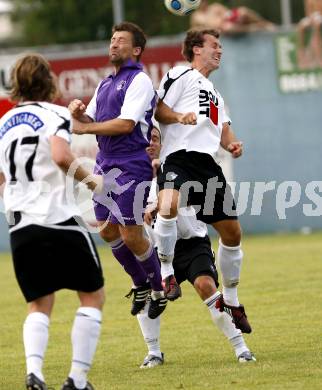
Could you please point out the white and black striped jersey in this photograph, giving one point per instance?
(35, 185)
(184, 89)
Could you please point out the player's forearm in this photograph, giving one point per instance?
(84, 118)
(73, 168)
(164, 114)
(112, 127)
(227, 137)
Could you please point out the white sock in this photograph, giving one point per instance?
(224, 323)
(35, 338)
(230, 295)
(230, 260)
(239, 345)
(166, 269)
(166, 237)
(85, 334)
(150, 329)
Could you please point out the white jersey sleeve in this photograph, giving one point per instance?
(60, 123)
(138, 97)
(91, 108)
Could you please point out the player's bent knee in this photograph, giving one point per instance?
(109, 235)
(92, 299)
(205, 286)
(232, 236)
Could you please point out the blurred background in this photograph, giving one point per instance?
(270, 78)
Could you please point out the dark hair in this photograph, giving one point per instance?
(196, 37)
(139, 38)
(32, 79)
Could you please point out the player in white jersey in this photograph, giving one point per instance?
(194, 123)
(50, 249)
(193, 261)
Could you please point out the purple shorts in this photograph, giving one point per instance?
(127, 183)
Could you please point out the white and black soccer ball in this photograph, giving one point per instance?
(181, 7)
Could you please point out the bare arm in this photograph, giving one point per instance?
(112, 127)
(64, 158)
(2, 183)
(83, 124)
(164, 114)
(229, 142)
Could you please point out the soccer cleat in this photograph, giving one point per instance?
(246, 357)
(171, 288)
(34, 383)
(151, 361)
(157, 305)
(69, 385)
(237, 313)
(140, 297)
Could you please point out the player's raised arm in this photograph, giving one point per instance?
(77, 109)
(112, 127)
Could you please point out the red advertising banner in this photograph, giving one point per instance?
(79, 74)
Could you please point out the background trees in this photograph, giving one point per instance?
(61, 21)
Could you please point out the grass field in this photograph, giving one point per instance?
(281, 288)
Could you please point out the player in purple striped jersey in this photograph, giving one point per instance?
(119, 114)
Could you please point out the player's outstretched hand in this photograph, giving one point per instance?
(189, 118)
(77, 108)
(150, 212)
(235, 148)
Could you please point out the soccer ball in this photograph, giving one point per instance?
(181, 7)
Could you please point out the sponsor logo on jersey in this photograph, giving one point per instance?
(25, 118)
(208, 104)
(121, 85)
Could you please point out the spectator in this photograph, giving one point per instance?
(228, 21)
(309, 51)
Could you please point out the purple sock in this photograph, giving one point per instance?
(151, 266)
(129, 262)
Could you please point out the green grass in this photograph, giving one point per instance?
(280, 287)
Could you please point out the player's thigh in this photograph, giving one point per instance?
(229, 231)
(168, 200)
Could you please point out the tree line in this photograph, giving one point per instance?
(43, 22)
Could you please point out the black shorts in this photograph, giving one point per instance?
(192, 258)
(47, 259)
(201, 183)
